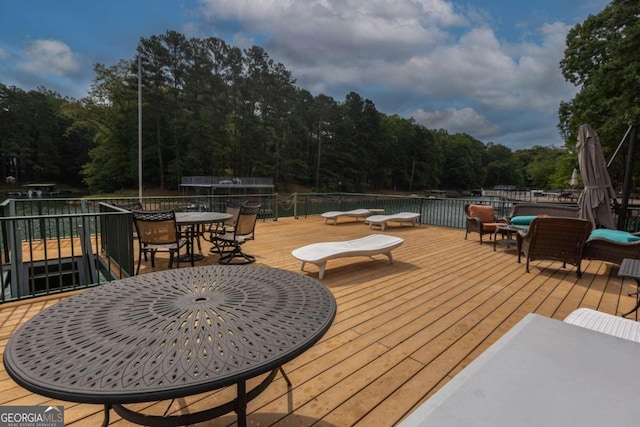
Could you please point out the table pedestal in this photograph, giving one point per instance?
(238, 405)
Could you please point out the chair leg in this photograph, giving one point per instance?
(579, 271)
(139, 261)
(236, 253)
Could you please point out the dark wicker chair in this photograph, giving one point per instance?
(480, 219)
(556, 239)
(610, 251)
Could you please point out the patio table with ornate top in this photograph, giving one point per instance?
(171, 334)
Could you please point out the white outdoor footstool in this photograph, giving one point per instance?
(605, 323)
(320, 253)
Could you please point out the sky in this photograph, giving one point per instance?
(488, 68)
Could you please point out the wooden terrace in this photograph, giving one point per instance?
(401, 332)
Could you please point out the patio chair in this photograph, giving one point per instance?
(556, 239)
(230, 243)
(227, 226)
(158, 232)
(480, 219)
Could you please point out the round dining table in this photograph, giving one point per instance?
(196, 220)
(171, 334)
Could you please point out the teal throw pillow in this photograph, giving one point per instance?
(522, 220)
(615, 235)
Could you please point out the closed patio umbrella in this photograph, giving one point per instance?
(597, 194)
(573, 182)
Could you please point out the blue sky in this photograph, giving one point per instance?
(485, 67)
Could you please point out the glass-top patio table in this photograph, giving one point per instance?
(171, 334)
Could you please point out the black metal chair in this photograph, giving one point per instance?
(158, 232)
(229, 244)
(226, 226)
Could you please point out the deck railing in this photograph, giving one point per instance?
(52, 253)
(87, 241)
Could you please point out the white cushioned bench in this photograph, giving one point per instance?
(605, 323)
(402, 218)
(320, 253)
(334, 215)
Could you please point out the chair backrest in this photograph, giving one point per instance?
(486, 213)
(233, 208)
(531, 209)
(156, 227)
(247, 219)
(558, 238)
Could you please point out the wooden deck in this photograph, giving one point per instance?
(401, 331)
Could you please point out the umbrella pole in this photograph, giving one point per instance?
(628, 175)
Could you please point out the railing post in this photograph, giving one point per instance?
(88, 258)
(295, 205)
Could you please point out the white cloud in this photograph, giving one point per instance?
(464, 120)
(3, 55)
(414, 45)
(51, 57)
(444, 54)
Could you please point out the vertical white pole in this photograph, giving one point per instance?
(139, 129)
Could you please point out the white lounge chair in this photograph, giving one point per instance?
(402, 218)
(605, 323)
(320, 253)
(356, 213)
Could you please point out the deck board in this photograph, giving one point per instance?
(401, 331)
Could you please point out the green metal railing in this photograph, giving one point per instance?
(46, 254)
(106, 230)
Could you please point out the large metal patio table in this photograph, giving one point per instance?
(171, 334)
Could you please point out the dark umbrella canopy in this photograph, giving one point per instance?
(597, 194)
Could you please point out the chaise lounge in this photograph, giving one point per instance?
(334, 215)
(320, 253)
(402, 217)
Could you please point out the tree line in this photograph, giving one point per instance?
(213, 109)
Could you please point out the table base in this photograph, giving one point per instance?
(238, 405)
(187, 257)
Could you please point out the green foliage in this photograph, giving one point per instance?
(542, 166)
(602, 59)
(209, 108)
